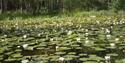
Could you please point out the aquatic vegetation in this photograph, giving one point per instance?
(71, 39)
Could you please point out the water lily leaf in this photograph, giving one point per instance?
(112, 54)
(16, 55)
(71, 56)
(82, 55)
(90, 62)
(83, 59)
(99, 49)
(1, 50)
(72, 53)
(64, 48)
(60, 53)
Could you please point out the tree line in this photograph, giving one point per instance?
(42, 6)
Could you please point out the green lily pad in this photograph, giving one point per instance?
(16, 55)
(78, 48)
(99, 49)
(72, 53)
(71, 56)
(90, 62)
(95, 58)
(1, 57)
(68, 58)
(63, 48)
(2, 50)
(112, 54)
(83, 55)
(75, 45)
(60, 53)
(83, 59)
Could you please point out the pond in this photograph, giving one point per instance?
(65, 44)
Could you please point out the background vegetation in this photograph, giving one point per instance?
(56, 6)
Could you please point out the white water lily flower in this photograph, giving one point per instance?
(78, 39)
(123, 22)
(86, 38)
(51, 39)
(114, 23)
(24, 61)
(117, 22)
(87, 41)
(97, 22)
(36, 26)
(117, 39)
(39, 35)
(86, 30)
(112, 44)
(108, 36)
(16, 24)
(5, 35)
(2, 40)
(107, 57)
(61, 58)
(18, 46)
(86, 33)
(108, 31)
(25, 46)
(111, 27)
(102, 28)
(57, 47)
(24, 36)
(69, 33)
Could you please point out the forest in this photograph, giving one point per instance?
(41, 6)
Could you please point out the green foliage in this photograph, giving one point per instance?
(117, 5)
(63, 38)
(56, 6)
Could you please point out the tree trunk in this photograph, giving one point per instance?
(1, 6)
